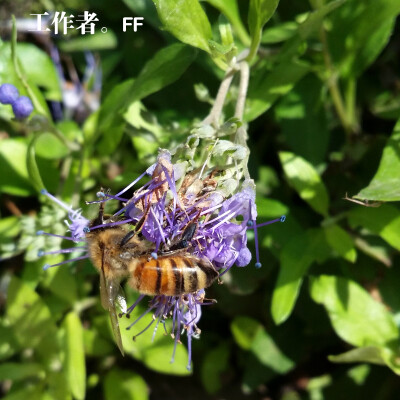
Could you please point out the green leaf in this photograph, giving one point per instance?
(155, 354)
(303, 120)
(305, 180)
(341, 242)
(95, 345)
(31, 392)
(310, 26)
(260, 12)
(370, 354)
(19, 371)
(164, 68)
(359, 32)
(186, 20)
(27, 312)
(8, 342)
(40, 69)
(14, 176)
(75, 355)
(230, 9)
(167, 65)
(385, 185)
(296, 257)
(215, 364)
(49, 147)
(244, 329)
(267, 87)
(97, 41)
(111, 125)
(33, 168)
(356, 317)
(279, 33)
(268, 353)
(120, 384)
(383, 221)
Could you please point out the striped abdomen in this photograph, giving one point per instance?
(171, 275)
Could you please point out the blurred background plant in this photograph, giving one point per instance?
(322, 107)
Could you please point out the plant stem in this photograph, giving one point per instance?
(241, 133)
(333, 85)
(243, 86)
(216, 110)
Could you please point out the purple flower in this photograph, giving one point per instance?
(22, 107)
(163, 211)
(8, 93)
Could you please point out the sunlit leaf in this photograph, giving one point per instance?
(356, 317)
(341, 242)
(296, 257)
(186, 20)
(14, 175)
(267, 87)
(383, 221)
(244, 329)
(305, 180)
(75, 355)
(123, 384)
(385, 185)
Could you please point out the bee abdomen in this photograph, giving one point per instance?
(172, 275)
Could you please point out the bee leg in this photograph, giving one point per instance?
(137, 229)
(187, 236)
(127, 238)
(99, 220)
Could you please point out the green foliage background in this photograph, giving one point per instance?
(320, 320)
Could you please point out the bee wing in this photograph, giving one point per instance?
(108, 293)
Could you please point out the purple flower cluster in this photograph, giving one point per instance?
(166, 209)
(21, 105)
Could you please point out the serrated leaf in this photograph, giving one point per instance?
(356, 317)
(75, 367)
(305, 180)
(121, 384)
(383, 221)
(296, 257)
(385, 185)
(186, 20)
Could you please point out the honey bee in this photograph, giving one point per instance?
(119, 253)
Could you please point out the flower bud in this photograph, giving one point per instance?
(244, 257)
(22, 107)
(8, 93)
